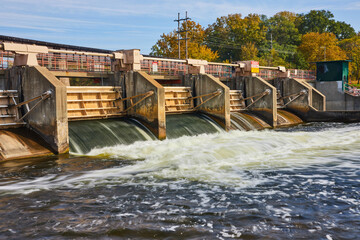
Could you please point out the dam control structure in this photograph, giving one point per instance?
(57, 97)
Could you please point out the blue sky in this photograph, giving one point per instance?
(120, 24)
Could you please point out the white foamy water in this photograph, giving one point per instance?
(221, 159)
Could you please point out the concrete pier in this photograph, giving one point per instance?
(212, 97)
(261, 97)
(48, 119)
(151, 110)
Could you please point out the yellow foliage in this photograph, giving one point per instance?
(352, 48)
(249, 51)
(167, 46)
(321, 47)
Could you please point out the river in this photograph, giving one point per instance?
(301, 182)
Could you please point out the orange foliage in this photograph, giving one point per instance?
(321, 47)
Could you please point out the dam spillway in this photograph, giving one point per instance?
(140, 109)
(139, 98)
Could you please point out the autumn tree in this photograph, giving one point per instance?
(229, 34)
(352, 48)
(249, 51)
(167, 45)
(321, 47)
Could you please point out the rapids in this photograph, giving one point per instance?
(301, 182)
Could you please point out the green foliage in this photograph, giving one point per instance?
(229, 33)
(315, 21)
(321, 21)
(342, 30)
(283, 30)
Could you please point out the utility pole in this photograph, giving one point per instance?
(186, 38)
(178, 32)
(179, 20)
(324, 47)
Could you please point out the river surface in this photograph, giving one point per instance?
(297, 183)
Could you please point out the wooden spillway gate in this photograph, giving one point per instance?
(178, 100)
(94, 102)
(181, 99)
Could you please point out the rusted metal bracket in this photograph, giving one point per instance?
(42, 97)
(143, 95)
(209, 95)
(293, 97)
(257, 98)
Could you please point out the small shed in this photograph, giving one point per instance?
(332, 71)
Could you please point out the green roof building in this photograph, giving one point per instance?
(332, 71)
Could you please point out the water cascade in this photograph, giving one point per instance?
(285, 118)
(247, 121)
(87, 135)
(178, 125)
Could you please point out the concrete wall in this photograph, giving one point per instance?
(292, 86)
(2, 80)
(49, 118)
(266, 107)
(218, 107)
(336, 99)
(151, 111)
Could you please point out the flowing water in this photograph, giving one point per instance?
(297, 183)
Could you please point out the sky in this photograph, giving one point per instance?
(120, 24)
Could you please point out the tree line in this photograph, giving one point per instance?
(288, 39)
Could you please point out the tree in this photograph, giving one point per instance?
(229, 33)
(283, 30)
(315, 21)
(342, 30)
(320, 47)
(249, 52)
(322, 21)
(283, 38)
(352, 48)
(167, 45)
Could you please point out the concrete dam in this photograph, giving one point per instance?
(58, 98)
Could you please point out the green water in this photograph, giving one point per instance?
(178, 125)
(87, 135)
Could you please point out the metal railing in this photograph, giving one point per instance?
(63, 62)
(221, 71)
(158, 66)
(6, 59)
(303, 74)
(57, 60)
(74, 62)
(351, 90)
